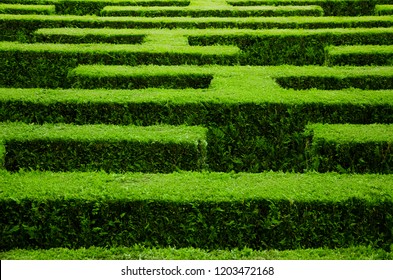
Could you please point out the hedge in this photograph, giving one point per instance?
(47, 65)
(359, 55)
(330, 7)
(254, 124)
(27, 9)
(351, 148)
(64, 147)
(212, 11)
(379, 80)
(20, 27)
(143, 253)
(384, 10)
(298, 47)
(83, 36)
(93, 7)
(123, 77)
(204, 210)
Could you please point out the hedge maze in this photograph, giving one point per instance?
(213, 125)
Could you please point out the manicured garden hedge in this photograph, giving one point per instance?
(27, 9)
(204, 210)
(20, 27)
(330, 7)
(351, 148)
(359, 55)
(99, 147)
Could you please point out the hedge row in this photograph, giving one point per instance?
(384, 10)
(93, 7)
(359, 55)
(298, 47)
(20, 27)
(98, 147)
(367, 82)
(204, 210)
(351, 148)
(330, 7)
(90, 36)
(191, 11)
(47, 65)
(143, 253)
(27, 9)
(123, 77)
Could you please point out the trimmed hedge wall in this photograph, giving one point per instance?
(330, 7)
(122, 77)
(297, 47)
(204, 210)
(20, 27)
(27, 9)
(191, 11)
(359, 55)
(47, 65)
(351, 148)
(109, 148)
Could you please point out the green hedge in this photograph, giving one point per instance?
(359, 55)
(47, 65)
(382, 10)
(330, 7)
(204, 210)
(93, 7)
(298, 47)
(123, 77)
(191, 11)
(143, 253)
(368, 81)
(351, 148)
(20, 27)
(83, 36)
(27, 9)
(254, 124)
(99, 147)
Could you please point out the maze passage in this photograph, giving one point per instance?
(197, 125)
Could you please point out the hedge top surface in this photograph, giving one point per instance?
(187, 187)
(344, 133)
(358, 49)
(164, 133)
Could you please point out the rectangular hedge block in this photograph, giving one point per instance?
(123, 77)
(200, 210)
(351, 148)
(382, 10)
(64, 147)
(93, 7)
(359, 55)
(330, 7)
(191, 11)
(27, 9)
(87, 36)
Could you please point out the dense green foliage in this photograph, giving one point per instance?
(98, 147)
(204, 210)
(138, 252)
(351, 148)
(117, 117)
(359, 55)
